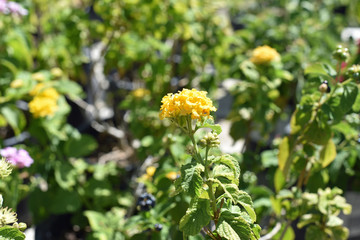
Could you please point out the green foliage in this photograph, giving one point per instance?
(7, 233)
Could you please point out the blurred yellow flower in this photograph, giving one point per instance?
(187, 102)
(171, 175)
(38, 76)
(44, 102)
(49, 93)
(41, 90)
(17, 83)
(42, 106)
(140, 92)
(264, 55)
(56, 72)
(150, 171)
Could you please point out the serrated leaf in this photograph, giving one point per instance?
(237, 196)
(221, 170)
(328, 153)
(232, 163)
(196, 217)
(191, 179)
(8, 232)
(226, 231)
(233, 224)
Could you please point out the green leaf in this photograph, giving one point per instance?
(340, 232)
(249, 70)
(15, 117)
(191, 179)
(233, 226)
(65, 175)
(237, 197)
(80, 146)
(285, 159)
(279, 180)
(328, 153)
(65, 202)
(300, 117)
(209, 123)
(356, 106)
(318, 133)
(70, 88)
(269, 158)
(221, 170)
(196, 217)
(315, 232)
(317, 69)
(97, 220)
(348, 97)
(232, 163)
(10, 233)
(226, 231)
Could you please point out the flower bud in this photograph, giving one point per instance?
(354, 72)
(210, 139)
(341, 54)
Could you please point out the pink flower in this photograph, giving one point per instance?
(19, 158)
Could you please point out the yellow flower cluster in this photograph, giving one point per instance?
(264, 55)
(187, 102)
(44, 102)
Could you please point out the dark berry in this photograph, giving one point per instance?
(145, 202)
(158, 227)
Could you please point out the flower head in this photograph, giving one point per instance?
(45, 101)
(264, 55)
(43, 106)
(5, 168)
(17, 157)
(7, 216)
(187, 102)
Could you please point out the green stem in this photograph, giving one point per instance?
(285, 229)
(210, 189)
(191, 135)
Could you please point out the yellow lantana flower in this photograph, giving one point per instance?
(42, 106)
(186, 102)
(264, 55)
(45, 101)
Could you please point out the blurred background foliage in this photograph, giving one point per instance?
(111, 62)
